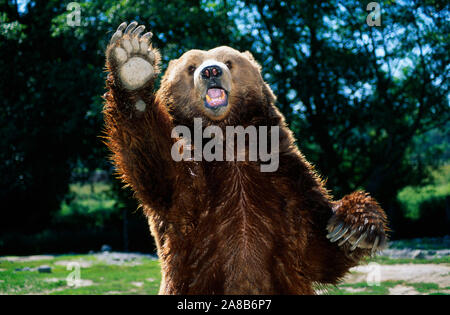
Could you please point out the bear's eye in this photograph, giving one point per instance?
(228, 64)
(191, 69)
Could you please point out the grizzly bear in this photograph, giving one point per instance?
(225, 226)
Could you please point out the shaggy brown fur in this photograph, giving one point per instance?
(227, 227)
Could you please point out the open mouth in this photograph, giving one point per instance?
(215, 98)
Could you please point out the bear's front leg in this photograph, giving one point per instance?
(358, 222)
(137, 124)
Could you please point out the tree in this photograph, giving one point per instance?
(45, 123)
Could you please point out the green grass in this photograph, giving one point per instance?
(426, 287)
(145, 278)
(362, 288)
(105, 279)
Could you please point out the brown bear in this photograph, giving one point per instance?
(225, 227)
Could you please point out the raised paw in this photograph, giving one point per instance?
(131, 54)
(358, 222)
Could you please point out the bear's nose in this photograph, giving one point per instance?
(212, 71)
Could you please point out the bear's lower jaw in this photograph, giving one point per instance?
(216, 113)
(216, 106)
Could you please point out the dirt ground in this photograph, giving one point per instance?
(410, 273)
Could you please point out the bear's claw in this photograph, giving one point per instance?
(358, 222)
(369, 238)
(118, 34)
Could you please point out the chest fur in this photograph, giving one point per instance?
(237, 227)
(230, 237)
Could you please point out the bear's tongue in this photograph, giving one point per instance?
(216, 97)
(215, 93)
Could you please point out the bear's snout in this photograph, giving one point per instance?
(212, 79)
(212, 74)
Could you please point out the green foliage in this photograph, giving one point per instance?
(11, 30)
(417, 200)
(354, 113)
(46, 128)
(91, 204)
(91, 215)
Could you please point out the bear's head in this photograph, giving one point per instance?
(221, 85)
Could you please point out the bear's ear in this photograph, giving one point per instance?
(169, 74)
(252, 59)
(249, 55)
(171, 63)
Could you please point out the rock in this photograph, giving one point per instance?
(396, 253)
(137, 284)
(74, 263)
(45, 269)
(129, 259)
(27, 258)
(106, 248)
(403, 290)
(416, 254)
